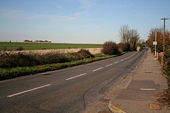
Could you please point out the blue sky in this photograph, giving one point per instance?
(78, 21)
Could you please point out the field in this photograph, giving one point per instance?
(7, 46)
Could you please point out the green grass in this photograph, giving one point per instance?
(7, 73)
(40, 46)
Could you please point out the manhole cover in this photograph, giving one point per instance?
(154, 106)
(148, 72)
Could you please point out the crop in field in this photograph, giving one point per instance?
(7, 46)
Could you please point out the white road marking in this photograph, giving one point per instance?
(22, 92)
(116, 62)
(121, 60)
(108, 65)
(97, 69)
(147, 89)
(136, 67)
(76, 76)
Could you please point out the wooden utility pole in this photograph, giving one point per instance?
(155, 44)
(164, 20)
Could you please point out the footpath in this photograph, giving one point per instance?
(139, 91)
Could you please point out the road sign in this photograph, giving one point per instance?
(154, 42)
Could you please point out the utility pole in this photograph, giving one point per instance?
(155, 43)
(164, 20)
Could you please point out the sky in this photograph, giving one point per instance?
(79, 21)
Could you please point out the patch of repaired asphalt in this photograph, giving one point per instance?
(133, 91)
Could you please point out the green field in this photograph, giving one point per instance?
(40, 46)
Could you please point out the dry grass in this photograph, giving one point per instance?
(91, 50)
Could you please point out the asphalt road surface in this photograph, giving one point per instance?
(62, 91)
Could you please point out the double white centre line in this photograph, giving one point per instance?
(76, 76)
(22, 92)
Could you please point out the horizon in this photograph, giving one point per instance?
(79, 21)
(50, 42)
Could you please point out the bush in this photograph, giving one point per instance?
(85, 53)
(15, 60)
(110, 48)
(166, 66)
(9, 60)
(19, 48)
(124, 46)
(50, 58)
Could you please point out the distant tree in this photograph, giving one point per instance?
(129, 37)
(151, 38)
(124, 33)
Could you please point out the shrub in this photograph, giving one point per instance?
(15, 60)
(82, 54)
(166, 66)
(110, 48)
(50, 58)
(124, 46)
(85, 53)
(19, 48)
(9, 60)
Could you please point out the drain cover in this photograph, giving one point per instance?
(147, 72)
(154, 106)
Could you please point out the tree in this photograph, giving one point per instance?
(129, 37)
(159, 40)
(124, 33)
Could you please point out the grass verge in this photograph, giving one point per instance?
(8, 73)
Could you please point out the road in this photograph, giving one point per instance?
(62, 91)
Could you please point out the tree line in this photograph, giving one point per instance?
(130, 39)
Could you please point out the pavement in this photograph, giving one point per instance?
(138, 92)
(67, 90)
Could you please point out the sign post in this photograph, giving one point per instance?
(155, 43)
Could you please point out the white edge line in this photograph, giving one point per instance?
(22, 92)
(148, 89)
(97, 69)
(76, 76)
